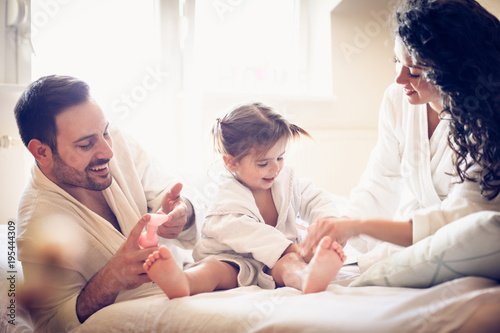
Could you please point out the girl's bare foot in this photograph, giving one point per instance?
(164, 271)
(323, 267)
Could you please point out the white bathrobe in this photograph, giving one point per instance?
(464, 199)
(235, 231)
(62, 244)
(406, 171)
(409, 177)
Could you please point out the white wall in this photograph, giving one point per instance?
(362, 52)
(493, 6)
(13, 157)
(15, 51)
(345, 127)
(14, 73)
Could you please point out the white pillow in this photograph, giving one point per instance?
(465, 247)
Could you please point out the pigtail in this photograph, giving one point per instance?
(252, 126)
(298, 131)
(217, 137)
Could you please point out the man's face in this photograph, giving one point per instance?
(84, 148)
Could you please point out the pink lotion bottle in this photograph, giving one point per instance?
(149, 238)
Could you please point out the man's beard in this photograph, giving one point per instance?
(69, 176)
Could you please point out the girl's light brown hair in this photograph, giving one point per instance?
(252, 126)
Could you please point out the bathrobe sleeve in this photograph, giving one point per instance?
(464, 199)
(378, 192)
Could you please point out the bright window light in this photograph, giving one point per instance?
(132, 54)
(112, 45)
(249, 46)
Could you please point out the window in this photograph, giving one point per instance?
(163, 68)
(250, 46)
(112, 45)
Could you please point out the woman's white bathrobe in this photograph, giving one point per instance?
(235, 231)
(62, 244)
(406, 171)
(409, 177)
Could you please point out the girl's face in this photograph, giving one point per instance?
(259, 172)
(417, 89)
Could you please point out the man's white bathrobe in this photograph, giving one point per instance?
(62, 244)
(235, 231)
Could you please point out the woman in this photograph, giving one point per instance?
(447, 56)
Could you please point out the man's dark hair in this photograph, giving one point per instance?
(42, 101)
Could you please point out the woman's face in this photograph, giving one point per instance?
(417, 89)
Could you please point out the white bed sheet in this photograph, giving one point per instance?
(250, 309)
(442, 308)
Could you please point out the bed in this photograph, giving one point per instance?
(375, 301)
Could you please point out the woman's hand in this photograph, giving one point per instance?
(339, 230)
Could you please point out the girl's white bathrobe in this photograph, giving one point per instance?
(235, 231)
(62, 244)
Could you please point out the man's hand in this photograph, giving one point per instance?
(126, 265)
(339, 230)
(124, 271)
(179, 212)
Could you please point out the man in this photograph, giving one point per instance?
(81, 215)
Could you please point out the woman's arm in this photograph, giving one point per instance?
(396, 232)
(341, 229)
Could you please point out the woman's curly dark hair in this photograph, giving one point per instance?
(458, 44)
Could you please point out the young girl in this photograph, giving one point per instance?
(249, 235)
